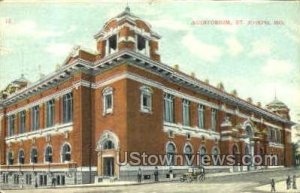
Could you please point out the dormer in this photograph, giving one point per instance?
(127, 31)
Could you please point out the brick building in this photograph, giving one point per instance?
(74, 124)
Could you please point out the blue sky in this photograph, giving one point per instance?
(255, 60)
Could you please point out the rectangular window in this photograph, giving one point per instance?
(169, 108)
(185, 112)
(213, 119)
(201, 114)
(35, 118)
(28, 179)
(146, 99)
(22, 121)
(50, 113)
(107, 100)
(67, 108)
(11, 125)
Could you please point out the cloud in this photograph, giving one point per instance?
(170, 24)
(293, 32)
(234, 46)
(274, 67)
(204, 51)
(28, 28)
(261, 47)
(59, 49)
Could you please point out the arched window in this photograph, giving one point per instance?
(48, 154)
(66, 153)
(188, 152)
(249, 131)
(108, 145)
(21, 157)
(215, 152)
(171, 149)
(202, 153)
(34, 155)
(10, 158)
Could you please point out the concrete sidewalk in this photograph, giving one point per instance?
(280, 186)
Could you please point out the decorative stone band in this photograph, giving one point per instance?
(140, 79)
(194, 132)
(55, 130)
(54, 167)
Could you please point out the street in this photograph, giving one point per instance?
(246, 182)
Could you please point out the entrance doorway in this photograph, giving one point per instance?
(108, 166)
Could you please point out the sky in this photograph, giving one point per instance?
(256, 60)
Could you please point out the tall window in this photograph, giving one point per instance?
(142, 45)
(171, 154)
(67, 108)
(21, 157)
(22, 121)
(201, 114)
(146, 99)
(48, 154)
(111, 44)
(186, 112)
(188, 155)
(35, 117)
(202, 153)
(50, 113)
(107, 100)
(66, 153)
(10, 158)
(34, 156)
(213, 119)
(11, 125)
(169, 108)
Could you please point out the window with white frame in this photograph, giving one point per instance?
(10, 158)
(107, 100)
(11, 125)
(21, 157)
(68, 108)
(66, 153)
(169, 108)
(35, 118)
(111, 44)
(48, 154)
(146, 99)
(34, 156)
(201, 114)
(22, 121)
(142, 45)
(170, 150)
(185, 112)
(50, 113)
(188, 155)
(213, 119)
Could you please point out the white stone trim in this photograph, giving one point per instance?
(55, 130)
(16, 168)
(195, 132)
(277, 145)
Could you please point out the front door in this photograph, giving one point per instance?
(108, 166)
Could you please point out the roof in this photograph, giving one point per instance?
(276, 104)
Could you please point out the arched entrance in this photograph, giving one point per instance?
(108, 155)
(249, 145)
(236, 153)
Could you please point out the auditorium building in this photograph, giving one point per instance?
(74, 124)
